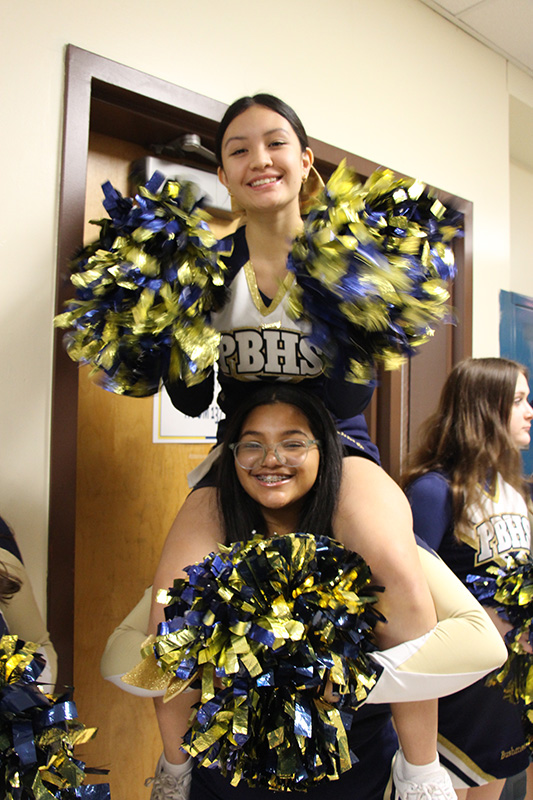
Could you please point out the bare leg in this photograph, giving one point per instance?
(194, 534)
(172, 719)
(529, 789)
(489, 791)
(416, 725)
(374, 519)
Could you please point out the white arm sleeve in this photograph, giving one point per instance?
(462, 648)
(24, 619)
(123, 648)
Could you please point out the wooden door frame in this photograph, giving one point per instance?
(129, 104)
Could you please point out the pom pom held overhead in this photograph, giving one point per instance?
(371, 267)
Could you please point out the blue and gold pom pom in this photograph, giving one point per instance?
(277, 634)
(509, 590)
(144, 291)
(38, 733)
(371, 270)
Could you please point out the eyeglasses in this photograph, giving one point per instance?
(289, 452)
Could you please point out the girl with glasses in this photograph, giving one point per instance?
(287, 480)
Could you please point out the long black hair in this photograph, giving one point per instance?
(269, 101)
(240, 515)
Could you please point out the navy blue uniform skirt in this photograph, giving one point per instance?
(481, 737)
(373, 741)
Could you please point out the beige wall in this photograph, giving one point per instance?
(521, 179)
(521, 207)
(390, 80)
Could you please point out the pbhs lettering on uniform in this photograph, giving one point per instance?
(250, 351)
(501, 533)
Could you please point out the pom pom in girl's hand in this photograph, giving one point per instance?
(38, 733)
(144, 291)
(509, 590)
(270, 628)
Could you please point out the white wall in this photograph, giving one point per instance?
(390, 80)
(521, 182)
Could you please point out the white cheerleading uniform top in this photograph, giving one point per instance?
(499, 525)
(263, 344)
(260, 341)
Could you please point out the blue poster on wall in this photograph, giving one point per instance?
(516, 341)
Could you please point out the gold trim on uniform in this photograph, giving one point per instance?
(352, 441)
(284, 287)
(464, 759)
(496, 496)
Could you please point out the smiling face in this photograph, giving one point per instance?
(279, 490)
(263, 163)
(521, 414)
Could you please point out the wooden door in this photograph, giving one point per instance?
(128, 493)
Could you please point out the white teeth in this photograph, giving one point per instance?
(272, 478)
(263, 181)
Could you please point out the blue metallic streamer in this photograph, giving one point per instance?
(23, 743)
(228, 604)
(36, 731)
(60, 712)
(508, 589)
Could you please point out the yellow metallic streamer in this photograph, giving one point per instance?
(236, 681)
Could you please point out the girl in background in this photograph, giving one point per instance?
(20, 614)
(470, 503)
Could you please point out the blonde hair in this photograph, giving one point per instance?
(468, 437)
